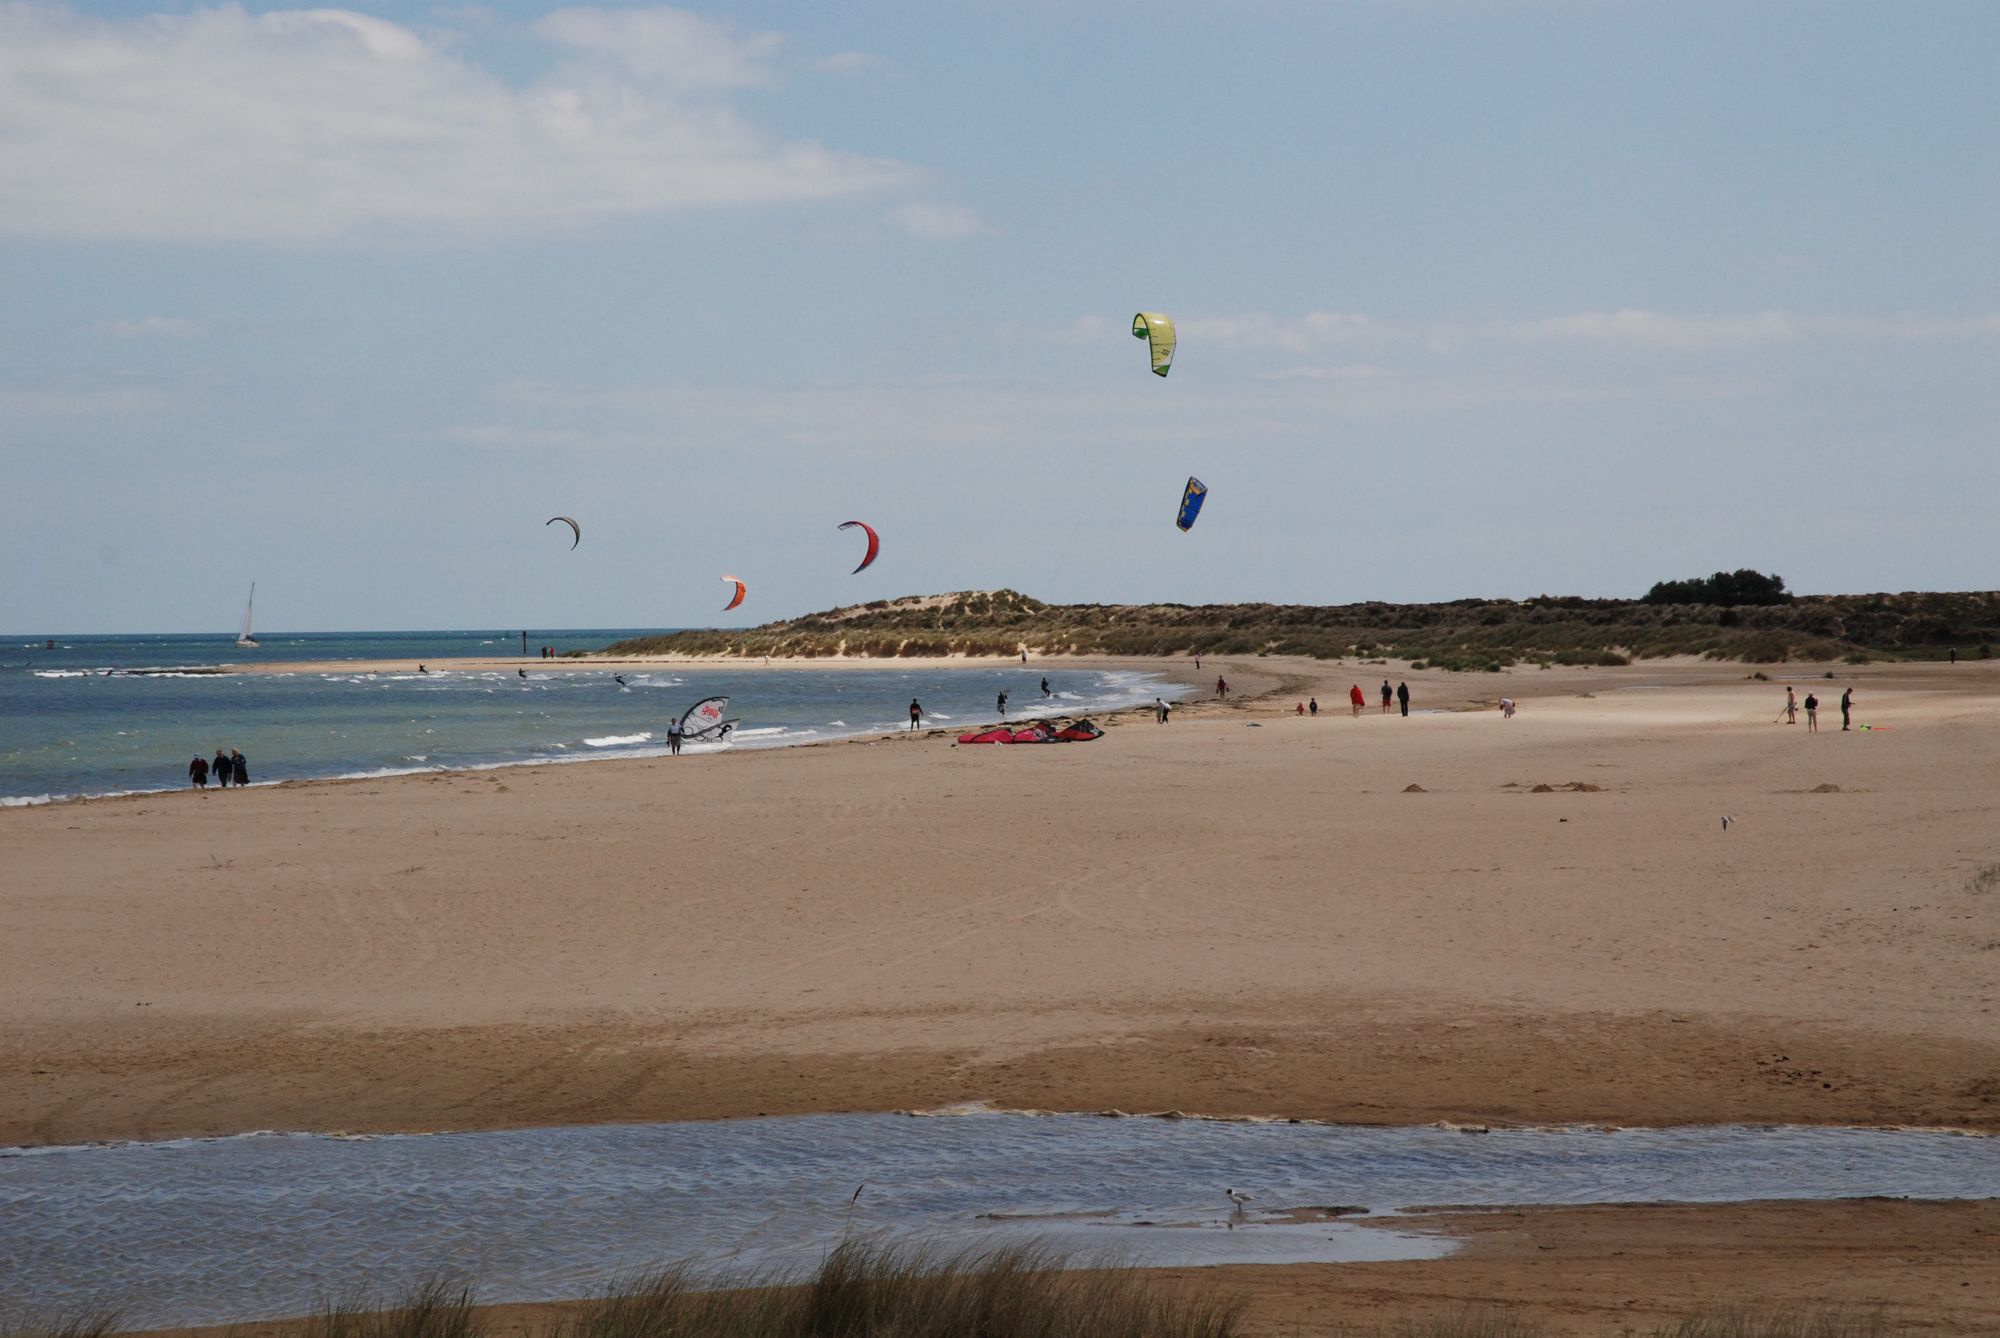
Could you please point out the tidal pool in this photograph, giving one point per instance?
(231, 1229)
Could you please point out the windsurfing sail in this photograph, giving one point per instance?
(1191, 500)
(576, 530)
(248, 636)
(874, 542)
(1158, 332)
(737, 598)
(706, 719)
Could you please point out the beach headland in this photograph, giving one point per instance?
(1244, 912)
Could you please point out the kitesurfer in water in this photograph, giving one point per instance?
(522, 672)
(1045, 687)
(619, 679)
(422, 670)
(916, 713)
(1001, 704)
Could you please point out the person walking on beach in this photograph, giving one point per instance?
(1387, 696)
(198, 772)
(239, 767)
(1812, 714)
(1222, 687)
(916, 713)
(1791, 707)
(1312, 707)
(219, 768)
(1403, 696)
(1846, 706)
(1160, 709)
(674, 738)
(1354, 697)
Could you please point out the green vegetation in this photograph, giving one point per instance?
(1725, 589)
(1465, 634)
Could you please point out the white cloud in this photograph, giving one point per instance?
(670, 46)
(939, 222)
(153, 327)
(309, 126)
(1627, 327)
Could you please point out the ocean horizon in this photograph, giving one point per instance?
(105, 715)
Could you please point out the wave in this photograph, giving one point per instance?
(618, 740)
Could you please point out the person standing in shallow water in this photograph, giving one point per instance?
(916, 713)
(1403, 696)
(220, 768)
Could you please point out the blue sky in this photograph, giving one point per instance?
(1475, 297)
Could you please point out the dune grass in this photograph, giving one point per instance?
(1461, 635)
(864, 1290)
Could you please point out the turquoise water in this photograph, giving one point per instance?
(224, 1230)
(116, 715)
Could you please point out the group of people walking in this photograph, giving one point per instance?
(1791, 711)
(227, 768)
(1398, 694)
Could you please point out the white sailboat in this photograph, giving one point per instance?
(247, 637)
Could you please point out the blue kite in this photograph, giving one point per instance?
(1191, 501)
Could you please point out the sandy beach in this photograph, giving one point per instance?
(1242, 912)
(1449, 917)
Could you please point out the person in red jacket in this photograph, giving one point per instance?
(1355, 699)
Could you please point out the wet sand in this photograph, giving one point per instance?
(1594, 1271)
(1242, 912)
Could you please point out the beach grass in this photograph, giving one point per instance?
(1467, 635)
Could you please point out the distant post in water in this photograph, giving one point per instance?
(524, 643)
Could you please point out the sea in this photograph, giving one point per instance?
(109, 715)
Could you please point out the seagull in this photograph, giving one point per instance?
(1726, 820)
(1239, 1198)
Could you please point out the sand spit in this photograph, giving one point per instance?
(1192, 917)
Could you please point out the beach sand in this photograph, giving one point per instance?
(1589, 1272)
(1243, 912)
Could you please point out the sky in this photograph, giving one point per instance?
(1476, 298)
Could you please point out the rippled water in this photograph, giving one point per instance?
(231, 1229)
(115, 715)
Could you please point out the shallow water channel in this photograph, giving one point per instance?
(222, 1230)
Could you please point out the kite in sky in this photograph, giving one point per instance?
(874, 542)
(1158, 332)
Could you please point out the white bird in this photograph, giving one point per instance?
(1239, 1198)
(1726, 820)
